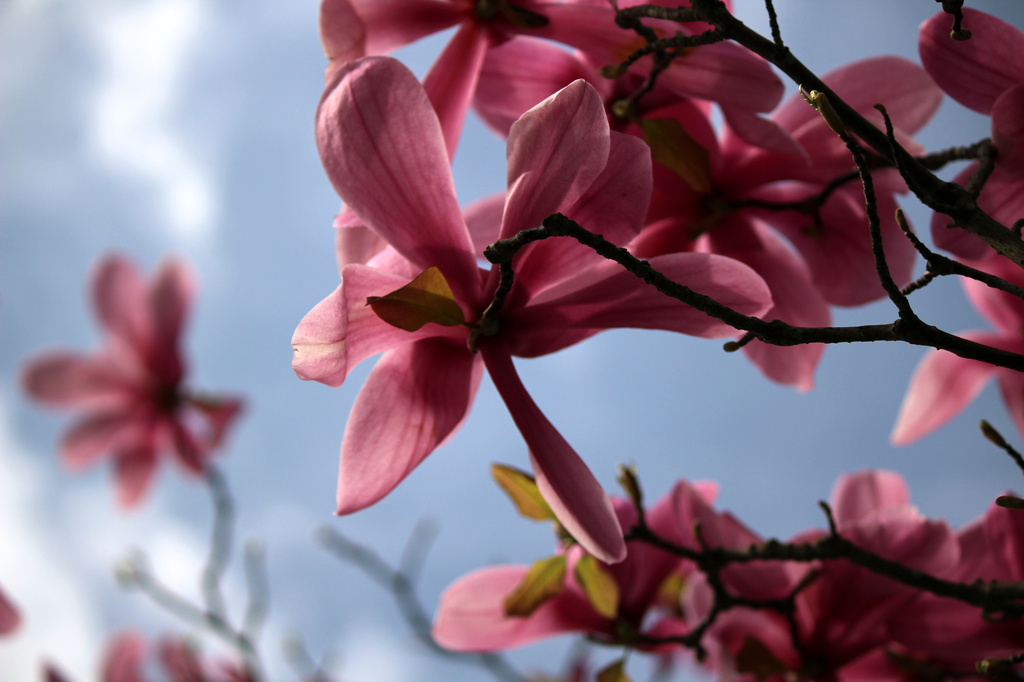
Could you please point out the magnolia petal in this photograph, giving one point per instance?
(1003, 310)
(84, 442)
(839, 252)
(1008, 132)
(353, 241)
(384, 152)
(415, 398)
(973, 72)
(134, 470)
(169, 299)
(471, 613)
(909, 95)
(341, 34)
(119, 296)
(614, 206)
(859, 495)
(577, 499)
(613, 298)
(520, 73)
(10, 619)
(555, 152)
(390, 24)
(342, 330)
(452, 80)
(725, 73)
(122, 661)
(941, 387)
(483, 218)
(66, 379)
(794, 299)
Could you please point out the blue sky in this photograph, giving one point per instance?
(185, 126)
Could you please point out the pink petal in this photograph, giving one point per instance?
(860, 495)
(1008, 133)
(577, 499)
(84, 442)
(134, 470)
(341, 331)
(453, 77)
(122, 661)
(9, 617)
(725, 73)
(483, 218)
(555, 152)
(384, 151)
(169, 299)
(611, 297)
(63, 379)
(1011, 387)
(839, 252)
(341, 34)
(794, 299)
(973, 72)
(760, 132)
(942, 386)
(614, 206)
(519, 74)
(471, 615)
(415, 398)
(390, 24)
(353, 241)
(908, 94)
(955, 240)
(1003, 310)
(119, 296)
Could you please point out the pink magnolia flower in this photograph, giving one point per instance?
(131, 391)
(721, 195)
(761, 206)
(383, 149)
(847, 611)
(952, 634)
(986, 74)
(471, 615)
(944, 384)
(10, 619)
(126, 659)
(740, 81)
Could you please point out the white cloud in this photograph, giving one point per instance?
(58, 616)
(145, 50)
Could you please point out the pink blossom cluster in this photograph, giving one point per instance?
(841, 622)
(765, 215)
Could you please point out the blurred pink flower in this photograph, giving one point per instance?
(944, 383)
(126, 659)
(10, 619)
(986, 74)
(471, 615)
(134, 406)
(383, 148)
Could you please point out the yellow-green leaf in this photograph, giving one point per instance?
(521, 487)
(600, 587)
(427, 298)
(543, 581)
(755, 657)
(615, 672)
(673, 148)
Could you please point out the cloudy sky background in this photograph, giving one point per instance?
(185, 126)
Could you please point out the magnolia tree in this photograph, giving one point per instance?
(659, 177)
